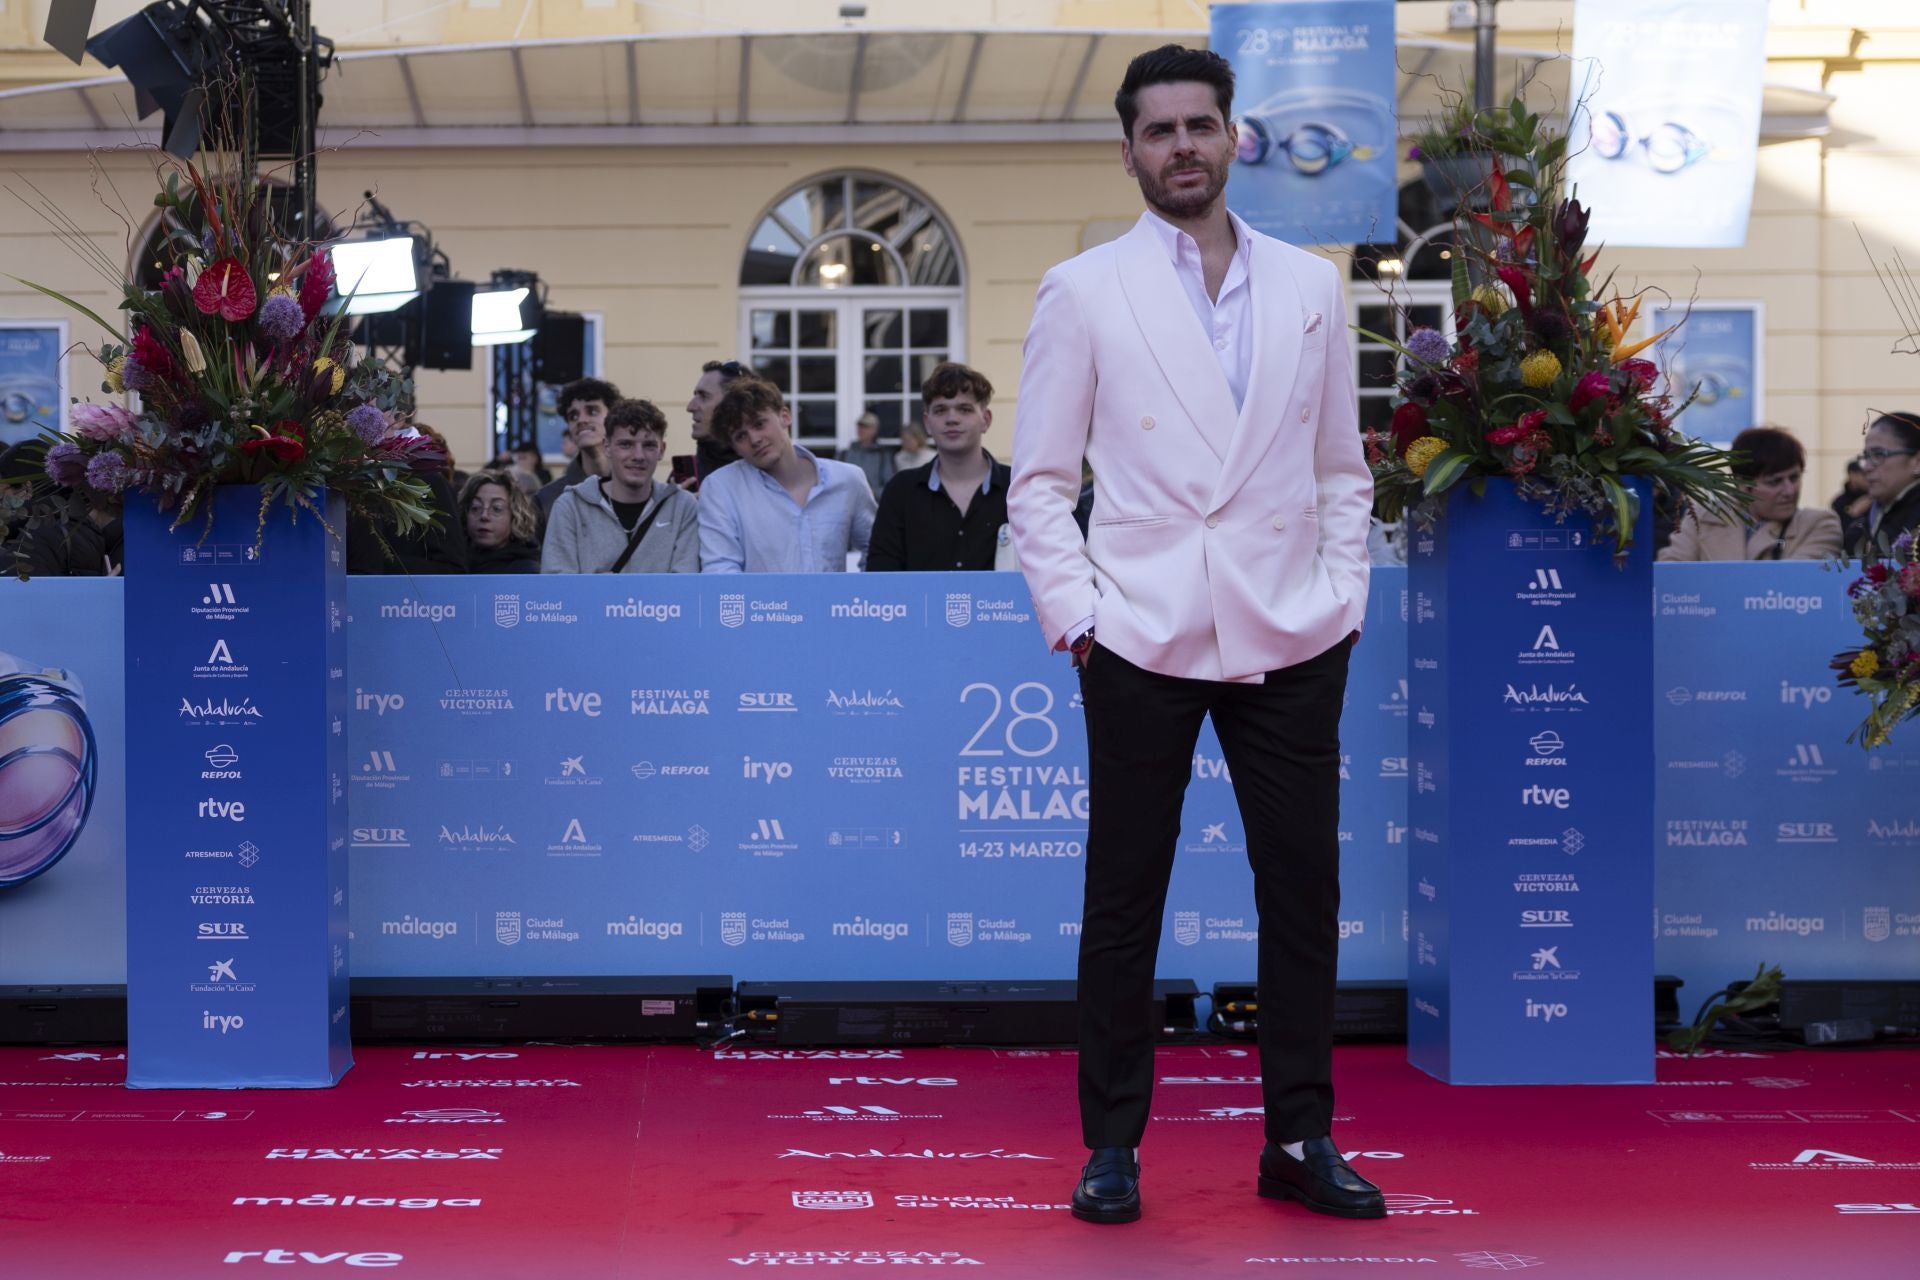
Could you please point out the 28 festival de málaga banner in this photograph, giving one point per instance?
(1314, 102)
(1667, 123)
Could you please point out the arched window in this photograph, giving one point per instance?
(1394, 291)
(851, 290)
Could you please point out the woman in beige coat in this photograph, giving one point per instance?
(1777, 527)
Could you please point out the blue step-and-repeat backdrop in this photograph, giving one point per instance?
(846, 776)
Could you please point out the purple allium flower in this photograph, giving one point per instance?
(1429, 346)
(66, 465)
(1413, 153)
(281, 318)
(136, 376)
(367, 422)
(106, 423)
(107, 472)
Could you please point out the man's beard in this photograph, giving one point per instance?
(1159, 193)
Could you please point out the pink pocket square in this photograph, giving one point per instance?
(1313, 323)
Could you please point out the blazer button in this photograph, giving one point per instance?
(1146, 423)
(1306, 415)
(1279, 523)
(1213, 522)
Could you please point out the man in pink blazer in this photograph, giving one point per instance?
(1201, 368)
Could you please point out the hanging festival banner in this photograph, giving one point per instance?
(1666, 126)
(1314, 105)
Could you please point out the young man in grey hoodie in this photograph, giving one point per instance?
(594, 523)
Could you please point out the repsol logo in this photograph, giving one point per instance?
(636, 927)
(411, 608)
(642, 610)
(859, 608)
(1774, 922)
(861, 927)
(1781, 602)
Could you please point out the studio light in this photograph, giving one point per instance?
(505, 315)
(371, 276)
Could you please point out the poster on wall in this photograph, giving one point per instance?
(33, 379)
(1666, 126)
(1716, 357)
(1314, 102)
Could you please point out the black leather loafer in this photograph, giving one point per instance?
(1109, 1189)
(1322, 1181)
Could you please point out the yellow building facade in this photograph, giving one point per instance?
(632, 153)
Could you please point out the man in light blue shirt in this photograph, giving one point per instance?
(779, 509)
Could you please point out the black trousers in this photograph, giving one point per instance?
(1281, 738)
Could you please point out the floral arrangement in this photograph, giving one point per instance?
(1540, 382)
(1886, 668)
(1451, 133)
(242, 375)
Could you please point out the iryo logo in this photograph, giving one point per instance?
(222, 1023)
(1804, 696)
(765, 770)
(378, 703)
(1546, 1010)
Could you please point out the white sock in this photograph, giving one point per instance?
(1295, 1149)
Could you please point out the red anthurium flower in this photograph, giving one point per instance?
(286, 445)
(1532, 422)
(225, 288)
(1409, 424)
(1516, 279)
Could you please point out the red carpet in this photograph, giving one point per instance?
(589, 1162)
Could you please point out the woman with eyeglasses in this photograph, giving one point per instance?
(501, 522)
(1891, 457)
(1775, 526)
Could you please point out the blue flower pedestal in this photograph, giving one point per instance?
(1530, 853)
(236, 770)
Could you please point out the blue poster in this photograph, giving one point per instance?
(1666, 126)
(1314, 97)
(1713, 358)
(33, 379)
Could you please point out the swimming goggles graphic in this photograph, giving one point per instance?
(1311, 147)
(1710, 379)
(49, 766)
(1669, 146)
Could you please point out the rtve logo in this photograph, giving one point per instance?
(231, 810)
(1551, 797)
(291, 1257)
(562, 701)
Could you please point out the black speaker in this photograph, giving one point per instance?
(446, 333)
(560, 348)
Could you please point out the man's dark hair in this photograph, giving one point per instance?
(746, 399)
(729, 370)
(1173, 64)
(952, 379)
(588, 389)
(636, 416)
(1768, 450)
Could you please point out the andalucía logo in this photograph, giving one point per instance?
(1814, 1158)
(865, 702)
(1551, 698)
(222, 711)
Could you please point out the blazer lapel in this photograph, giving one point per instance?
(1278, 316)
(1174, 336)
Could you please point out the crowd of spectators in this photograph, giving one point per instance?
(750, 499)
